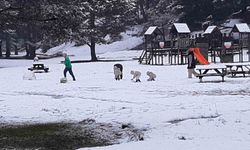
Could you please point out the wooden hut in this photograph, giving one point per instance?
(241, 32)
(180, 35)
(180, 39)
(154, 43)
(241, 36)
(213, 36)
(153, 36)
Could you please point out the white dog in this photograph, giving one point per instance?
(151, 75)
(118, 73)
(136, 75)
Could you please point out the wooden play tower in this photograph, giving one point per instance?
(163, 49)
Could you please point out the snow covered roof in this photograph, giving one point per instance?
(181, 27)
(150, 30)
(243, 28)
(209, 29)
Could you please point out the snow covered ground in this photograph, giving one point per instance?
(178, 113)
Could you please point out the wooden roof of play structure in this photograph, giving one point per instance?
(210, 29)
(150, 30)
(181, 28)
(153, 31)
(241, 28)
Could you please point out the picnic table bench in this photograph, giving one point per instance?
(238, 69)
(209, 72)
(38, 67)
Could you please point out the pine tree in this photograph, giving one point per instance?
(101, 18)
(85, 21)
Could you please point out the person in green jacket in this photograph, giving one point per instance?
(68, 67)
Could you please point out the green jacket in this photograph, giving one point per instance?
(67, 62)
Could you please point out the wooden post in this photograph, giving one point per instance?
(248, 46)
(241, 48)
(1, 53)
(162, 59)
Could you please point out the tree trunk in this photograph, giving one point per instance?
(27, 48)
(92, 49)
(92, 39)
(16, 50)
(32, 51)
(1, 53)
(15, 46)
(142, 10)
(7, 46)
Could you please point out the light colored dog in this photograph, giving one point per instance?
(118, 68)
(151, 75)
(136, 75)
(118, 73)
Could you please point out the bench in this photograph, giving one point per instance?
(38, 67)
(210, 72)
(238, 69)
(234, 73)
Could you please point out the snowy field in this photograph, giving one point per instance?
(178, 113)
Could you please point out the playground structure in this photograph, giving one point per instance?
(160, 49)
(215, 44)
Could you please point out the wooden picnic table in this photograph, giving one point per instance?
(38, 67)
(238, 69)
(209, 72)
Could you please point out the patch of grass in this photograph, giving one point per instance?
(46, 136)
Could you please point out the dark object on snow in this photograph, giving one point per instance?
(182, 138)
(126, 126)
(37, 67)
(118, 71)
(63, 80)
(88, 121)
(140, 137)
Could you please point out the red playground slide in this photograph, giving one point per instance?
(199, 56)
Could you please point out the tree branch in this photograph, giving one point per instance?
(10, 9)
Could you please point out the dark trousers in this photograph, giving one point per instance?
(70, 72)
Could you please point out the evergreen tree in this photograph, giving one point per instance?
(85, 21)
(8, 17)
(197, 11)
(100, 18)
